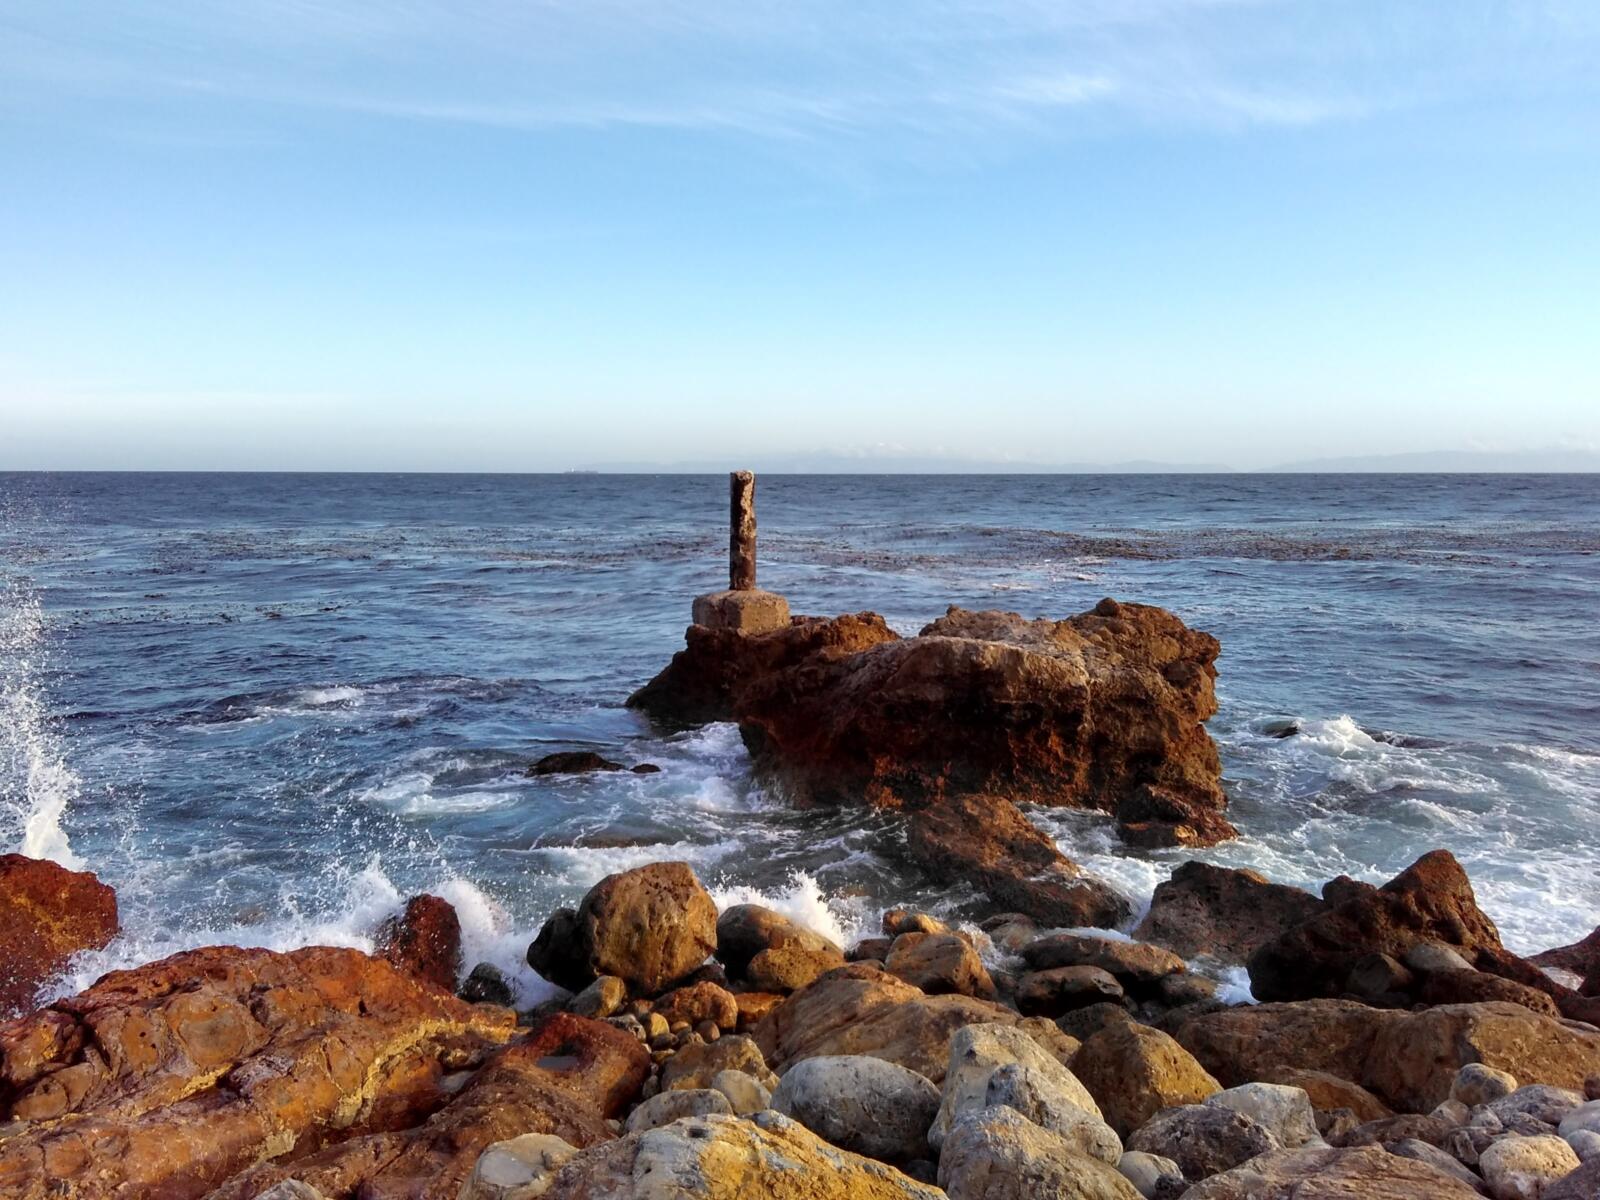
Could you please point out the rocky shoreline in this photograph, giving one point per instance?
(1398, 1049)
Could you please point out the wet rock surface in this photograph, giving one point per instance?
(47, 914)
(1104, 710)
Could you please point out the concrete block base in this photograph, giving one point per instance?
(748, 610)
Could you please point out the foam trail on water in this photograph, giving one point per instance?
(36, 784)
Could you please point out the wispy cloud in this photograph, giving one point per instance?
(789, 71)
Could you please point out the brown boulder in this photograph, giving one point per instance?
(939, 963)
(989, 842)
(1222, 913)
(1414, 1059)
(1061, 990)
(1431, 900)
(791, 966)
(745, 930)
(200, 1065)
(1321, 1173)
(651, 926)
(47, 914)
(1471, 987)
(559, 954)
(566, 1078)
(1329, 1092)
(1250, 1042)
(1134, 1072)
(703, 1001)
(425, 939)
(1581, 958)
(1136, 964)
(862, 1009)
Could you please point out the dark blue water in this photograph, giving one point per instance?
(267, 707)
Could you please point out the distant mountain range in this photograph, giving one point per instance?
(826, 463)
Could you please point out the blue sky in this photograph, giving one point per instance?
(492, 235)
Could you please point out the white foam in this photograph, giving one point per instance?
(36, 784)
(802, 902)
(320, 697)
(350, 918)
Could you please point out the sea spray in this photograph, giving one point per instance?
(36, 784)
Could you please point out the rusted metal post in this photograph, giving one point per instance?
(742, 531)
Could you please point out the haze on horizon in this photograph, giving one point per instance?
(504, 236)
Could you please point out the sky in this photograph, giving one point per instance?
(486, 235)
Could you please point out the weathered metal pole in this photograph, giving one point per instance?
(742, 531)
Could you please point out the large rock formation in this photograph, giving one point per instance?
(169, 1079)
(980, 711)
(47, 914)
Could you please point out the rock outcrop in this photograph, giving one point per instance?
(197, 1066)
(1104, 710)
(565, 1079)
(1410, 1060)
(1421, 937)
(47, 914)
(1430, 901)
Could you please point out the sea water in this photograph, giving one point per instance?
(267, 708)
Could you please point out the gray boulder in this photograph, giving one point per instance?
(868, 1106)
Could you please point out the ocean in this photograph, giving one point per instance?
(267, 708)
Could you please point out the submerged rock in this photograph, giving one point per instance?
(986, 840)
(47, 914)
(573, 762)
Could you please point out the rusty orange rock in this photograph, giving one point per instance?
(425, 939)
(47, 914)
(565, 1078)
(167, 1080)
